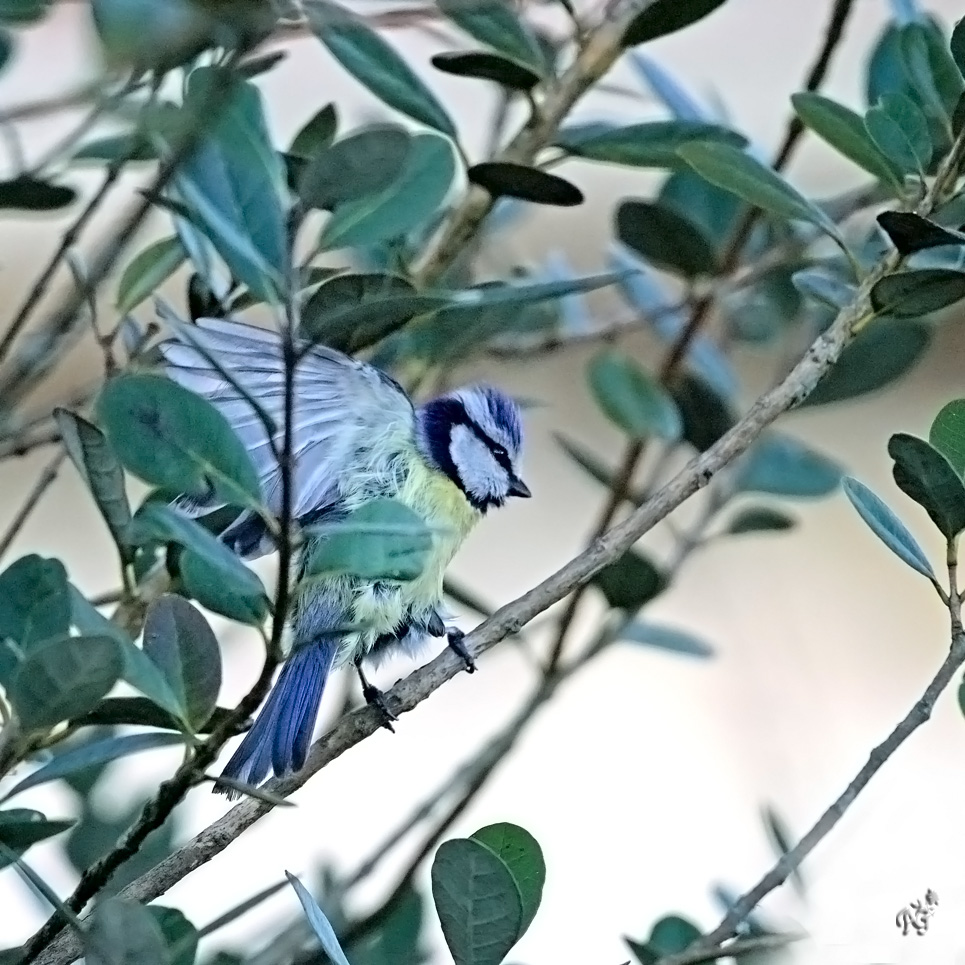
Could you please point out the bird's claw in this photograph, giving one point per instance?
(375, 698)
(455, 636)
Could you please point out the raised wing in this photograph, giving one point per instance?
(348, 417)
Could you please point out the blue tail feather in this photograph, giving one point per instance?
(280, 736)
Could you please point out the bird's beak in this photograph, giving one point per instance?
(518, 488)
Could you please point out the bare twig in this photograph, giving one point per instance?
(40, 486)
(735, 949)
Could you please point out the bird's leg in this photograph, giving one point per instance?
(375, 698)
(455, 635)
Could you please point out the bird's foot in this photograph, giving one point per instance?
(455, 636)
(375, 698)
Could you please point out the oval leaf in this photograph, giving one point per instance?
(887, 527)
(925, 475)
(179, 935)
(22, 827)
(521, 853)
(486, 66)
(706, 415)
(759, 519)
(319, 923)
(27, 193)
(495, 24)
(779, 465)
(665, 238)
(666, 16)
(504, 180)
(630, 582)
(632, 399)
(317, 133)
(947, 434)
(147, 271)
(179, 641)
(910, 294)
(665, 638)
(910, 232)
(477, 900)
(124, 933)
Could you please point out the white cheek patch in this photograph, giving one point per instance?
(481, 475)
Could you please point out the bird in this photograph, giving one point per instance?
(356, 436)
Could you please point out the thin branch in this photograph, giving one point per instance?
(42, 484)
(736, 949)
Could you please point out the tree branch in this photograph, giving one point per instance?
(42, 484)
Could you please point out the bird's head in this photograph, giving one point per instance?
(474, 435)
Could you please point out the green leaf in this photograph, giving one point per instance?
(665, 238)
(887, 527)
(352, 312)
(759, 519)
(910, 232)
(172, 438)
(133, 146)
(878, 356)
(631, 398)
(147, 271)
(845, 131)
(666, 16)
(64, 678)
(780, 465)
(232, 181)
(374, 63)
(495, 24)
(630, 582)
(900, 131)
(364, 163)
(650, 145)
(713, 210)
(665, 638)
(26, 193)
(20, 13)
(910, 294)
(505, 180)
(925, 475)
(407, 204)
(179, 641)
(180, 936)
(394, 938)
(316, 134)
(486, 66)
(781, 840)
(706, 415)
(522, 855)
(477, 900)
(34, 606)
(588, 462)
(382, 540)
(142, 712)
(320, 925)
(21, 827)
(92, 754)
(124, 933)
(926, 67)
(6, 47)
(98, 466)
(824, 288)
(670, 936)
(947, 434)
(211, 573)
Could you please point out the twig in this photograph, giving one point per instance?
(701, 312)
(42, 484)
(736, 949)
(51, 105)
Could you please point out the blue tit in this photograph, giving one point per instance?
(357, 436)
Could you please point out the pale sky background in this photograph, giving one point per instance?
(643, 780)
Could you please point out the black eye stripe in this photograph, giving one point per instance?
(499, 452)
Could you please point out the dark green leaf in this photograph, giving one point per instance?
(631, 398)
(779, 465)
(145, 273)
(759, 519)
(353, 312)
(930, 69)
(370, 60)
(736, 171)
(34, 606)
(179, 641)
(172, 438)
(63, 678)
(630, 581)
(92, 754)
(706, 416)
(132, 146)
(665, 238)
(665, 638)
(320, 925)
(712, 209)
(316, 134)
(6, 47)
(845, 131)
(495, 24)
(887, 527)
(881, 354)
(910, 294)
(477, 900)
(26, 193)
(180, 936)
(99, 468)
(404, 206)
(124, 933)
(504, 180)
(521, 853)
(382, 540)
(666, 16)
(19, 13)
(21, 827)
(781, 839)
(362, 164)
(142, 712)
(486, 66)
(394, 938)
(910, 232)
(895, 141)
(670, 935)
(947, 434)
(651, 145)
(233, 179)
(925, 475)
(211, 573)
